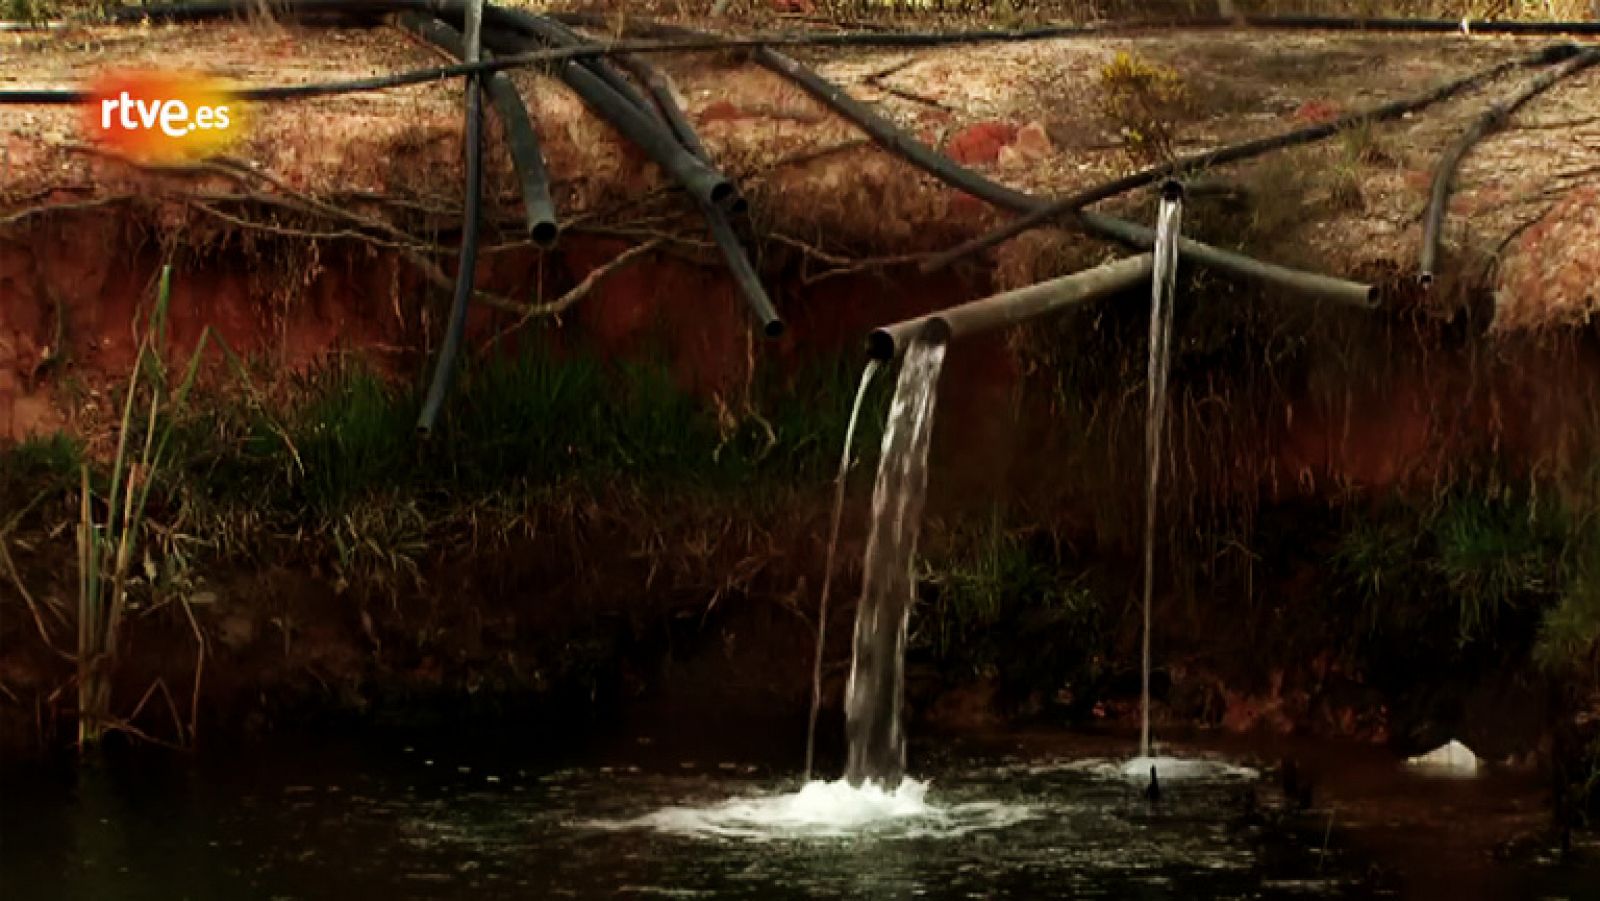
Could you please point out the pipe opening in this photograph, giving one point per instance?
(544, 234)
(1172, 189)
(773, 328)
(880, 345)
(724, 195)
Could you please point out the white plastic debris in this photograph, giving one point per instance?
(1453, 758)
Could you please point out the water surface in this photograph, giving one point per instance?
(449, 819)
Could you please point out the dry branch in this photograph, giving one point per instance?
(579, 291)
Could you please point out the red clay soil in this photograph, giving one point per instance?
(82, 234)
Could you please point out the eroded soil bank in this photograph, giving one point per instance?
(1368, 519)
(1379, 524)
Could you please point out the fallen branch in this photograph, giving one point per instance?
(1491, 120)
(16, 216)
(842, 265)
(27, 598)
(199, 671)
(16, 575)
(578, 292)
(1233, 153)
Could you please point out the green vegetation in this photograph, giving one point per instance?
(1002, 602)
(107, 545)
(517, 425)
(1146, 101)
(1466, 560)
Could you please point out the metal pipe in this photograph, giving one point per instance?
(1306, 284)
(521, 139)
(1014, 307)
(467, 263)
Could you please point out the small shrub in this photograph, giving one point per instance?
(53, 458)
(1146, 101)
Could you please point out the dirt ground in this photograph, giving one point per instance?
(1036, 108)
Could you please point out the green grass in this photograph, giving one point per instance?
(36, 463)
(521, 425)
(1000, 601)
(1456, 566)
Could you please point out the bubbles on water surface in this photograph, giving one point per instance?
(1168, 769)
(829, 810)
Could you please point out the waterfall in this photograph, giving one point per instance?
(1163, 284)
(827, 572)
(876, 690)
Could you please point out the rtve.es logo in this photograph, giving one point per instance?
(162, 116)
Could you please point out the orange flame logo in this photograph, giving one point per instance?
(163, 116)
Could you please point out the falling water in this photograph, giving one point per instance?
(876, 689)
(1163, 285)
(827, 573)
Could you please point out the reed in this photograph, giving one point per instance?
(107, 544)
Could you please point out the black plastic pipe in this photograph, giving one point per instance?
(891, 138)
(709, 188)
(555, 34)
(211, 10)
(1306, 284)
(1014, 307)
(1265, 23)
(722, 232)
(1337, 23)
(623, 113)
(947, 170)
(60, 97)
(595, 88)
(1241, 151)
(655, 82)
(659, 87)
(521, 139)
(1490, 121)
(664, 106)
(467, 262)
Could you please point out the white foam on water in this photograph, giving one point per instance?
(1168, 769)
(828, 810)
(1450, 759)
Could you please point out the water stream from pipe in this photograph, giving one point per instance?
(1164, 284)
(876, 690)
(827, 572)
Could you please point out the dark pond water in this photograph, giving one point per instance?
(482, 818)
